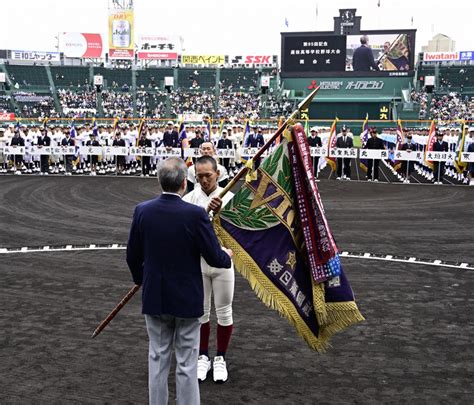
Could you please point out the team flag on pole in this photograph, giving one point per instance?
(399, 142)
(364, 137)
(332, 144)
(283, 246)
(458, 164)
(430, 144)
(95, 130)
(244, 141)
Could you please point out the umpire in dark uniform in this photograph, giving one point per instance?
(225, 143)
(314, 141)
(44, 140)
(344, 164)
(438, 167)
(375, 143)
(167, 239)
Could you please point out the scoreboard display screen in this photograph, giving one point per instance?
(307, 54)
(314, 54)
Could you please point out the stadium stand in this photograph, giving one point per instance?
(196, 79)
(152, 78)
(115, 78)
(5, 104)
(28, 75)
(70, 76)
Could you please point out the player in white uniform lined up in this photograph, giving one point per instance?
(217, 282)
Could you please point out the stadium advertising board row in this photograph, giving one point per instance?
(235, 60)
(306, 54)
(448, 56)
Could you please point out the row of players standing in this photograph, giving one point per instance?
(125, 135)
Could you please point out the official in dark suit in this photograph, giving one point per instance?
(170, 137)
(68, 141)
(373, 143)
(344, 164)
(144, 142)
(254, 139)
(408, 166)
(17, 140)
(225, 143)
(438, 167)
(44, 140)
(363, 58)
(167, 239)
(94, 159)
(470, 169)
(314, 141)
(119, 160)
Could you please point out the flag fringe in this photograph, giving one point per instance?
(332, 317)
(266, 292)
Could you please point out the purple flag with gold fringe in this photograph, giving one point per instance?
(283, 246)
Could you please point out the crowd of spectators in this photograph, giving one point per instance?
(117, 104)
(33, 105)
(446, 107)
(5, 103)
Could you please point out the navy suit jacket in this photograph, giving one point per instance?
(167, 239)
(170, 139)
(363, 59)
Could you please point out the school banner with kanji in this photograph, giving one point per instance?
(283, 246)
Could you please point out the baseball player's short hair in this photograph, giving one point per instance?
(207, 159)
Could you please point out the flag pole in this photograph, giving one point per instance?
(301, 106)
(115, 311)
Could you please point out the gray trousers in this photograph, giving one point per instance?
(162, 331)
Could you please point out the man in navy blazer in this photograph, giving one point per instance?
(167, 239)
(170, 137)
(363, 58)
